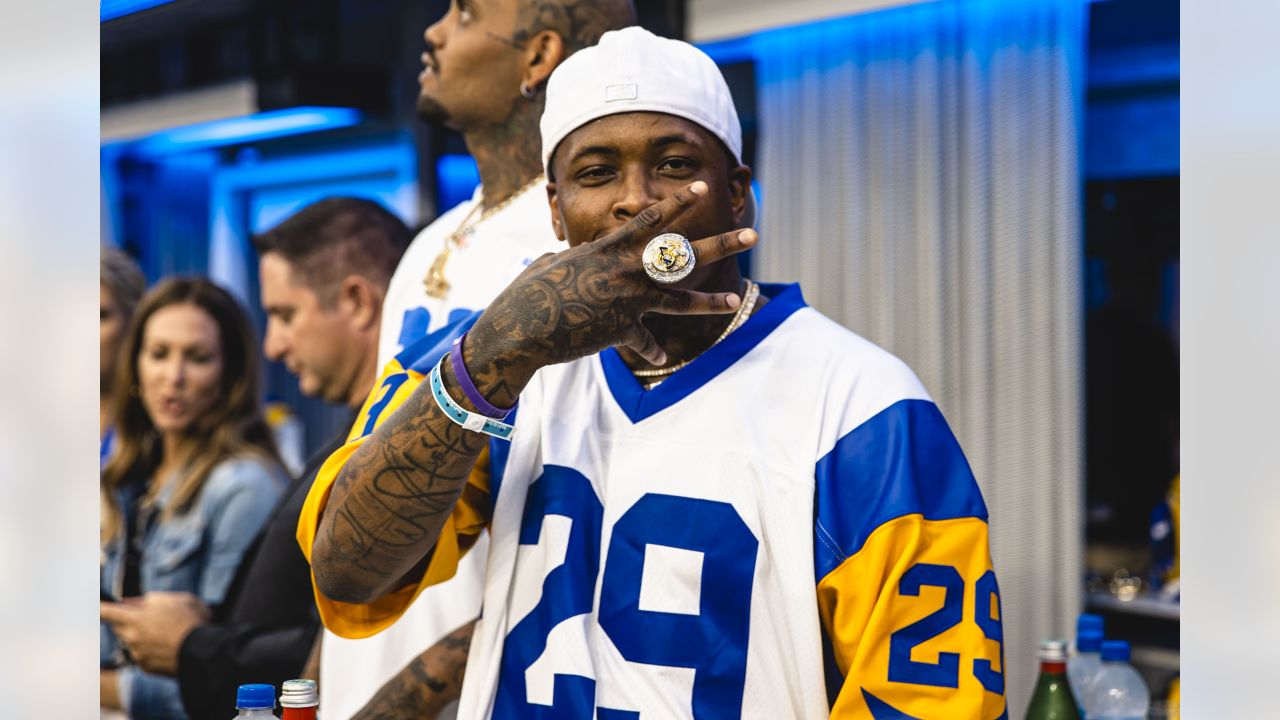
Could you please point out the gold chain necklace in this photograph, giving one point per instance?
(749, 297)
(434, 281)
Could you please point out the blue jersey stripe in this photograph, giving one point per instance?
(901, 462)
(422, 355)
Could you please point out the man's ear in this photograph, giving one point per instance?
(362, 304)
(543, 53)
(739, 191)
(556, 222)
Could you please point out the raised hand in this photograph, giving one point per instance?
(580, 301)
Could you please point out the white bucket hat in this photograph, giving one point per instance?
(633, 70)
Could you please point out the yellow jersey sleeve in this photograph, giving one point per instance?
(908, 599)
(463, 526)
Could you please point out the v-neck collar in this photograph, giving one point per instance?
(639, 404)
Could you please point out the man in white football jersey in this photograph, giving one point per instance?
(714, 501)
(485, 69)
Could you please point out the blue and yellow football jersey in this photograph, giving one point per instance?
(784, 528)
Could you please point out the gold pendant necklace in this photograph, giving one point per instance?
(434, 282)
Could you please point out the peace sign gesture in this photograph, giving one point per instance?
(582, 300)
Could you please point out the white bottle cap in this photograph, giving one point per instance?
(1053, 651)
(299, 694)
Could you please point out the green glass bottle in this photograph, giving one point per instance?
(1052, 699)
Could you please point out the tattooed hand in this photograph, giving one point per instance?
(580, 301)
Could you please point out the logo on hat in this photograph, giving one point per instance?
(621, 91)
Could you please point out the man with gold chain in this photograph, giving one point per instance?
(484, 70)
(782, 527)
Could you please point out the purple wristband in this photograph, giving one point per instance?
(469, 388)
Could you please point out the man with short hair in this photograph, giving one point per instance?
(484, 73)
(712, 501)
(324, 273)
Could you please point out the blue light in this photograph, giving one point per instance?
(234, 131)
(112, 9)
(456, 180)
(766, 44)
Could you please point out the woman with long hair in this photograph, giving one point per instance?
(194, 475)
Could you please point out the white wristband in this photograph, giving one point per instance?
(474, 422)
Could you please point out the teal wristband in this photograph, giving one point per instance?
(460, 415)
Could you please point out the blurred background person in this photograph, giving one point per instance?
(323, 278)
(195, 474)
(323, 275)
(120, 287)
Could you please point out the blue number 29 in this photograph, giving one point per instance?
(712, 642)
(945, 672)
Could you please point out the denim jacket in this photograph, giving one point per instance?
(197, 551)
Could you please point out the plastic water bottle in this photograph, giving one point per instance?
(1084, 665)
(1088, 623)
(255, 701)
(299, 700)
(1117, 691)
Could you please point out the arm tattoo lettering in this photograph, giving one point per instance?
(390, 501)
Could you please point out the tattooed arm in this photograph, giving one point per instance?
(391, 499)
(428, 683)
